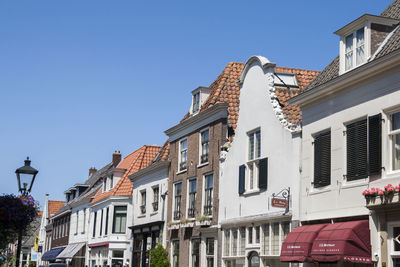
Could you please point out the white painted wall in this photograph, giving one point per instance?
(343, 198)
(256, 110)
(147, 182)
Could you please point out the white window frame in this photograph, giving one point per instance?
(367, 47)
(155, 200)
(191, 248)
(180, 154)
(252, 163)
(391, 253)
(77, 222)
(203, 199)
(172, 251)
(195, 111)
(280, 238)
(84, 221)
(390, 135)
(187, 197)
(173, 201)
(201, 147)
(143, 192)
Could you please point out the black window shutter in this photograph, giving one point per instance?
(322, 159)
(375, 144)
(263, 173)
(242, 170)
(357, 156)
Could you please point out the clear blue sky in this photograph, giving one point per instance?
(80, 79)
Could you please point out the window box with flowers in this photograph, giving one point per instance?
(378, 196)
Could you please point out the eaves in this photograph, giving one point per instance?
(348, 79)
(150, 169)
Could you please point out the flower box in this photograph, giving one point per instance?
(203, 223)
(392, 198)
(187, 225)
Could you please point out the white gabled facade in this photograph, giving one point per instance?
(150, 197)
(253, 230)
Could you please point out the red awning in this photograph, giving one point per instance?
(100, 244)
(345, 241)
(298, 243)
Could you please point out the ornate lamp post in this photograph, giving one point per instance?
(26, 177)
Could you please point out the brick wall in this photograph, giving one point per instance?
(60, 233)
(217, 137)
(378, 34)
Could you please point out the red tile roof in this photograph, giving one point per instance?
(54, 206)
(304, 77)
(134, 162)
(225, 89)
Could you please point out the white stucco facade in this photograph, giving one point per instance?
(105, 243)
(346, 101)
(251, 213)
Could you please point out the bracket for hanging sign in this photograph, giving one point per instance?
(281, 199)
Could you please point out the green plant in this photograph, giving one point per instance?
(184, 221)
(159, 257)
(203, 218)
(32, 264)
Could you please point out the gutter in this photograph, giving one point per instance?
(350, 78)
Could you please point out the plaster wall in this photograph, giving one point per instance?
(277, 143)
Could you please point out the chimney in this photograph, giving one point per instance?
(92, 170)
(116, 158)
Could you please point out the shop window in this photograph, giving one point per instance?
(227, 241)
(242, 233)
(210, 252)
(234, 242)
(195, 252)
(275, 246)
(175, 253)
(266, 239)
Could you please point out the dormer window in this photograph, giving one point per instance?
(196, 102)
(361, 39)
(355, 49)
(199, 96)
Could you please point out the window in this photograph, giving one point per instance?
(266, 239)
(101, 223)
(94, 224)
(275, 246)
(322, 159)
(175, 253)
(104, 184)
(210, 252)
(250, 235)
(285, 228)
(183, 155)
(204, 145)
(394, 137)
(257, 232)
(208, 194)
(192, 198)
(119, 224)
(254, 175)
(156, 193)
(196, 102)
(394, 245)
(354, 49)
(242, 232)
(227, 240)
(106, 228)
(143, 202)
(363, 148)
(195, 252)
(112, 181)
(234, 241)
(84, 221)
(77, 222)
(177, 200)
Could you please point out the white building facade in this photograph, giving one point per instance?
(263, 159)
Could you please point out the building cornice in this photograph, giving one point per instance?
(198, 121)
(111, 198)
(150, 169)
(350, 78)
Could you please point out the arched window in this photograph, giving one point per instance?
(254, 259)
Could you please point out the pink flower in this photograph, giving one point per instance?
(380, 192)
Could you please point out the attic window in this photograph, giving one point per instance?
(355, 49)
(288, 79)
(196, 102)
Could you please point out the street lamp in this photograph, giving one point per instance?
(26, 177)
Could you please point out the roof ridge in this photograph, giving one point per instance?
(297, 68)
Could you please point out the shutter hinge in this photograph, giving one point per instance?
(344, 133)
(344, 176)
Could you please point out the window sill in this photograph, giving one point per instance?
(154, 213)
(251, 192)
(355, 183)
(319, 190)
(141, 216)
(202, 164)
(182, 171)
